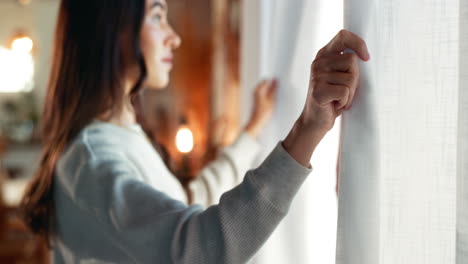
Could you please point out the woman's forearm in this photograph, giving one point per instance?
(301, 142)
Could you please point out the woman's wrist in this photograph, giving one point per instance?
(252, 129)
(302, 141)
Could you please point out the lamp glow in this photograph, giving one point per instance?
(184, 140)
(16, 71)
(22, 45)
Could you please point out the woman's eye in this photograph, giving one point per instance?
(157, 18)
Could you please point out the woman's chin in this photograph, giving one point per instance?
(157, 85)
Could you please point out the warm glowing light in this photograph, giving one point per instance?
(24, 2)
(184, 140)
(16, 71)
(22, 45)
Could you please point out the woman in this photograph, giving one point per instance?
(93, 196)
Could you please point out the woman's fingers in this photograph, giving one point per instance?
(335, 81)
(261, 87)
(349, 80)
(340, 78)
(327, 93)
(348, 62)
(346, 40)
(264, 103)
(273, 88)
(338, 69)
(266, 90)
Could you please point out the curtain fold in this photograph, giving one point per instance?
(462, 183)
(404, 141)
(358, 225)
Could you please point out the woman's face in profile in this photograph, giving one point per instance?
(158, 40)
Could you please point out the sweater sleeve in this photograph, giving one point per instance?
(153, 228)
(225, 172)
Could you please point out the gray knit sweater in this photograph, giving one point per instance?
(116, 202)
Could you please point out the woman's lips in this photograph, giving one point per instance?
(168, 60)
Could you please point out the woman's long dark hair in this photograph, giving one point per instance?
(96, 43)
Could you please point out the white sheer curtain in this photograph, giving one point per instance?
(404, 142)
(280, 39)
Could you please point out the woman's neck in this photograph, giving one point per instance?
(126, 116)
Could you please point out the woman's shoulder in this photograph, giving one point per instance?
(92, 158)
(103, 136)
(95, 145)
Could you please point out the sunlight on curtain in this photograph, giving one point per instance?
(281, 38)
(401, 139)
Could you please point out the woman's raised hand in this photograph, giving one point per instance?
(334, 79)
(264, 103)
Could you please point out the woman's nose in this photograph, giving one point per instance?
(177, 41)
(174, 40)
